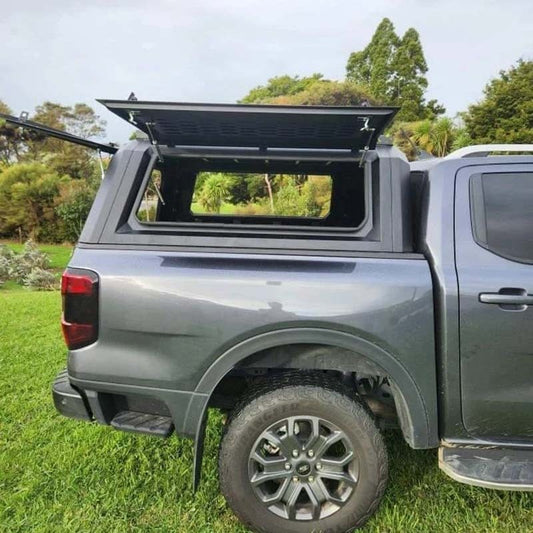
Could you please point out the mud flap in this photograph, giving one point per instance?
(199, 451)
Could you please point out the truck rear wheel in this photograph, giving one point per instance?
(302, 458)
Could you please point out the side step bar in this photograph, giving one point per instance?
(160, 426)
(493, 468)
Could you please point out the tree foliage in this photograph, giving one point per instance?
(284, 85)
(331, 93)
(214, 192)
(393, 69)
(505, 115)
(28, 197)
(310, 90)
(75, 201)
(67, 158)
(437, 137)
(12, 139)
(409, 82)
(373, 67)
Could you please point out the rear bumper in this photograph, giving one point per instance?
(67, 400)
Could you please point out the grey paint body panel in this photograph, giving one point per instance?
(180, 307)
(171, 323)
(445, 221)
(497, 402)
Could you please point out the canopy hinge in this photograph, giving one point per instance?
(102, 169)
(153, 140)
(371, 131)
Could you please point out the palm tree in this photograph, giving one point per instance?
(214, 193)
(435, 137)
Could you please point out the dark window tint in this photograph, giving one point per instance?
(508, 215)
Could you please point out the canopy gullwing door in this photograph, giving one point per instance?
(260, 126)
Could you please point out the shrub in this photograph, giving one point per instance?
(28, 193)
(75, 203)
(41, 280)
(215, 191)
(28, 267)
(5, 261)
(31, 258)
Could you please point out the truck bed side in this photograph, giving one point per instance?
(172, 323)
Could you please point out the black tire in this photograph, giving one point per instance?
(326, 412)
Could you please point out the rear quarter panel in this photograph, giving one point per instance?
(166, 317)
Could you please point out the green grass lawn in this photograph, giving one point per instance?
(60, 475)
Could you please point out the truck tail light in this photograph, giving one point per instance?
(79, 289)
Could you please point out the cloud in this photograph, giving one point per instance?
(216, 50)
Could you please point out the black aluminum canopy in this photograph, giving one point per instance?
(260, 126)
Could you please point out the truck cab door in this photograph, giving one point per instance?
(494, 261)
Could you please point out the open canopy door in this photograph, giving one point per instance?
(261, 126)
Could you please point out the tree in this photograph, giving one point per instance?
(11, 138)
(434, 109)
(215, 191)
(28, 196)
(409, 82)
(311, 90)
(505, 115)
(436, 137)
(280, 86)
(393, 69)
(75, 201)
(67, 158)
(373, 67)
(332, 93)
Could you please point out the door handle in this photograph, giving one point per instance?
(507, 297)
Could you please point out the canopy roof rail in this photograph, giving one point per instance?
(58, 134)
(483, 150)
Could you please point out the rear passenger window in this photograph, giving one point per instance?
(502, 206)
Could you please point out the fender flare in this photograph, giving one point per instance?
(414, 418)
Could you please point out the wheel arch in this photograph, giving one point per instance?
(352, 353)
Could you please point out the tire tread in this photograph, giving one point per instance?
(291, 386)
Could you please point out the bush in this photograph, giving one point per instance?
(27, 268)
(31, 258)
(5, 261)
(28, 195)
(41, 280)
(76, 200)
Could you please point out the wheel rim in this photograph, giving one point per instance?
(303, 468)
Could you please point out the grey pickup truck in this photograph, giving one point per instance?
(289, 266)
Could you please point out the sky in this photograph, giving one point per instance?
(70, 51)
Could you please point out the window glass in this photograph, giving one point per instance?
(296, 195)
(254, 192)
(508, 215)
